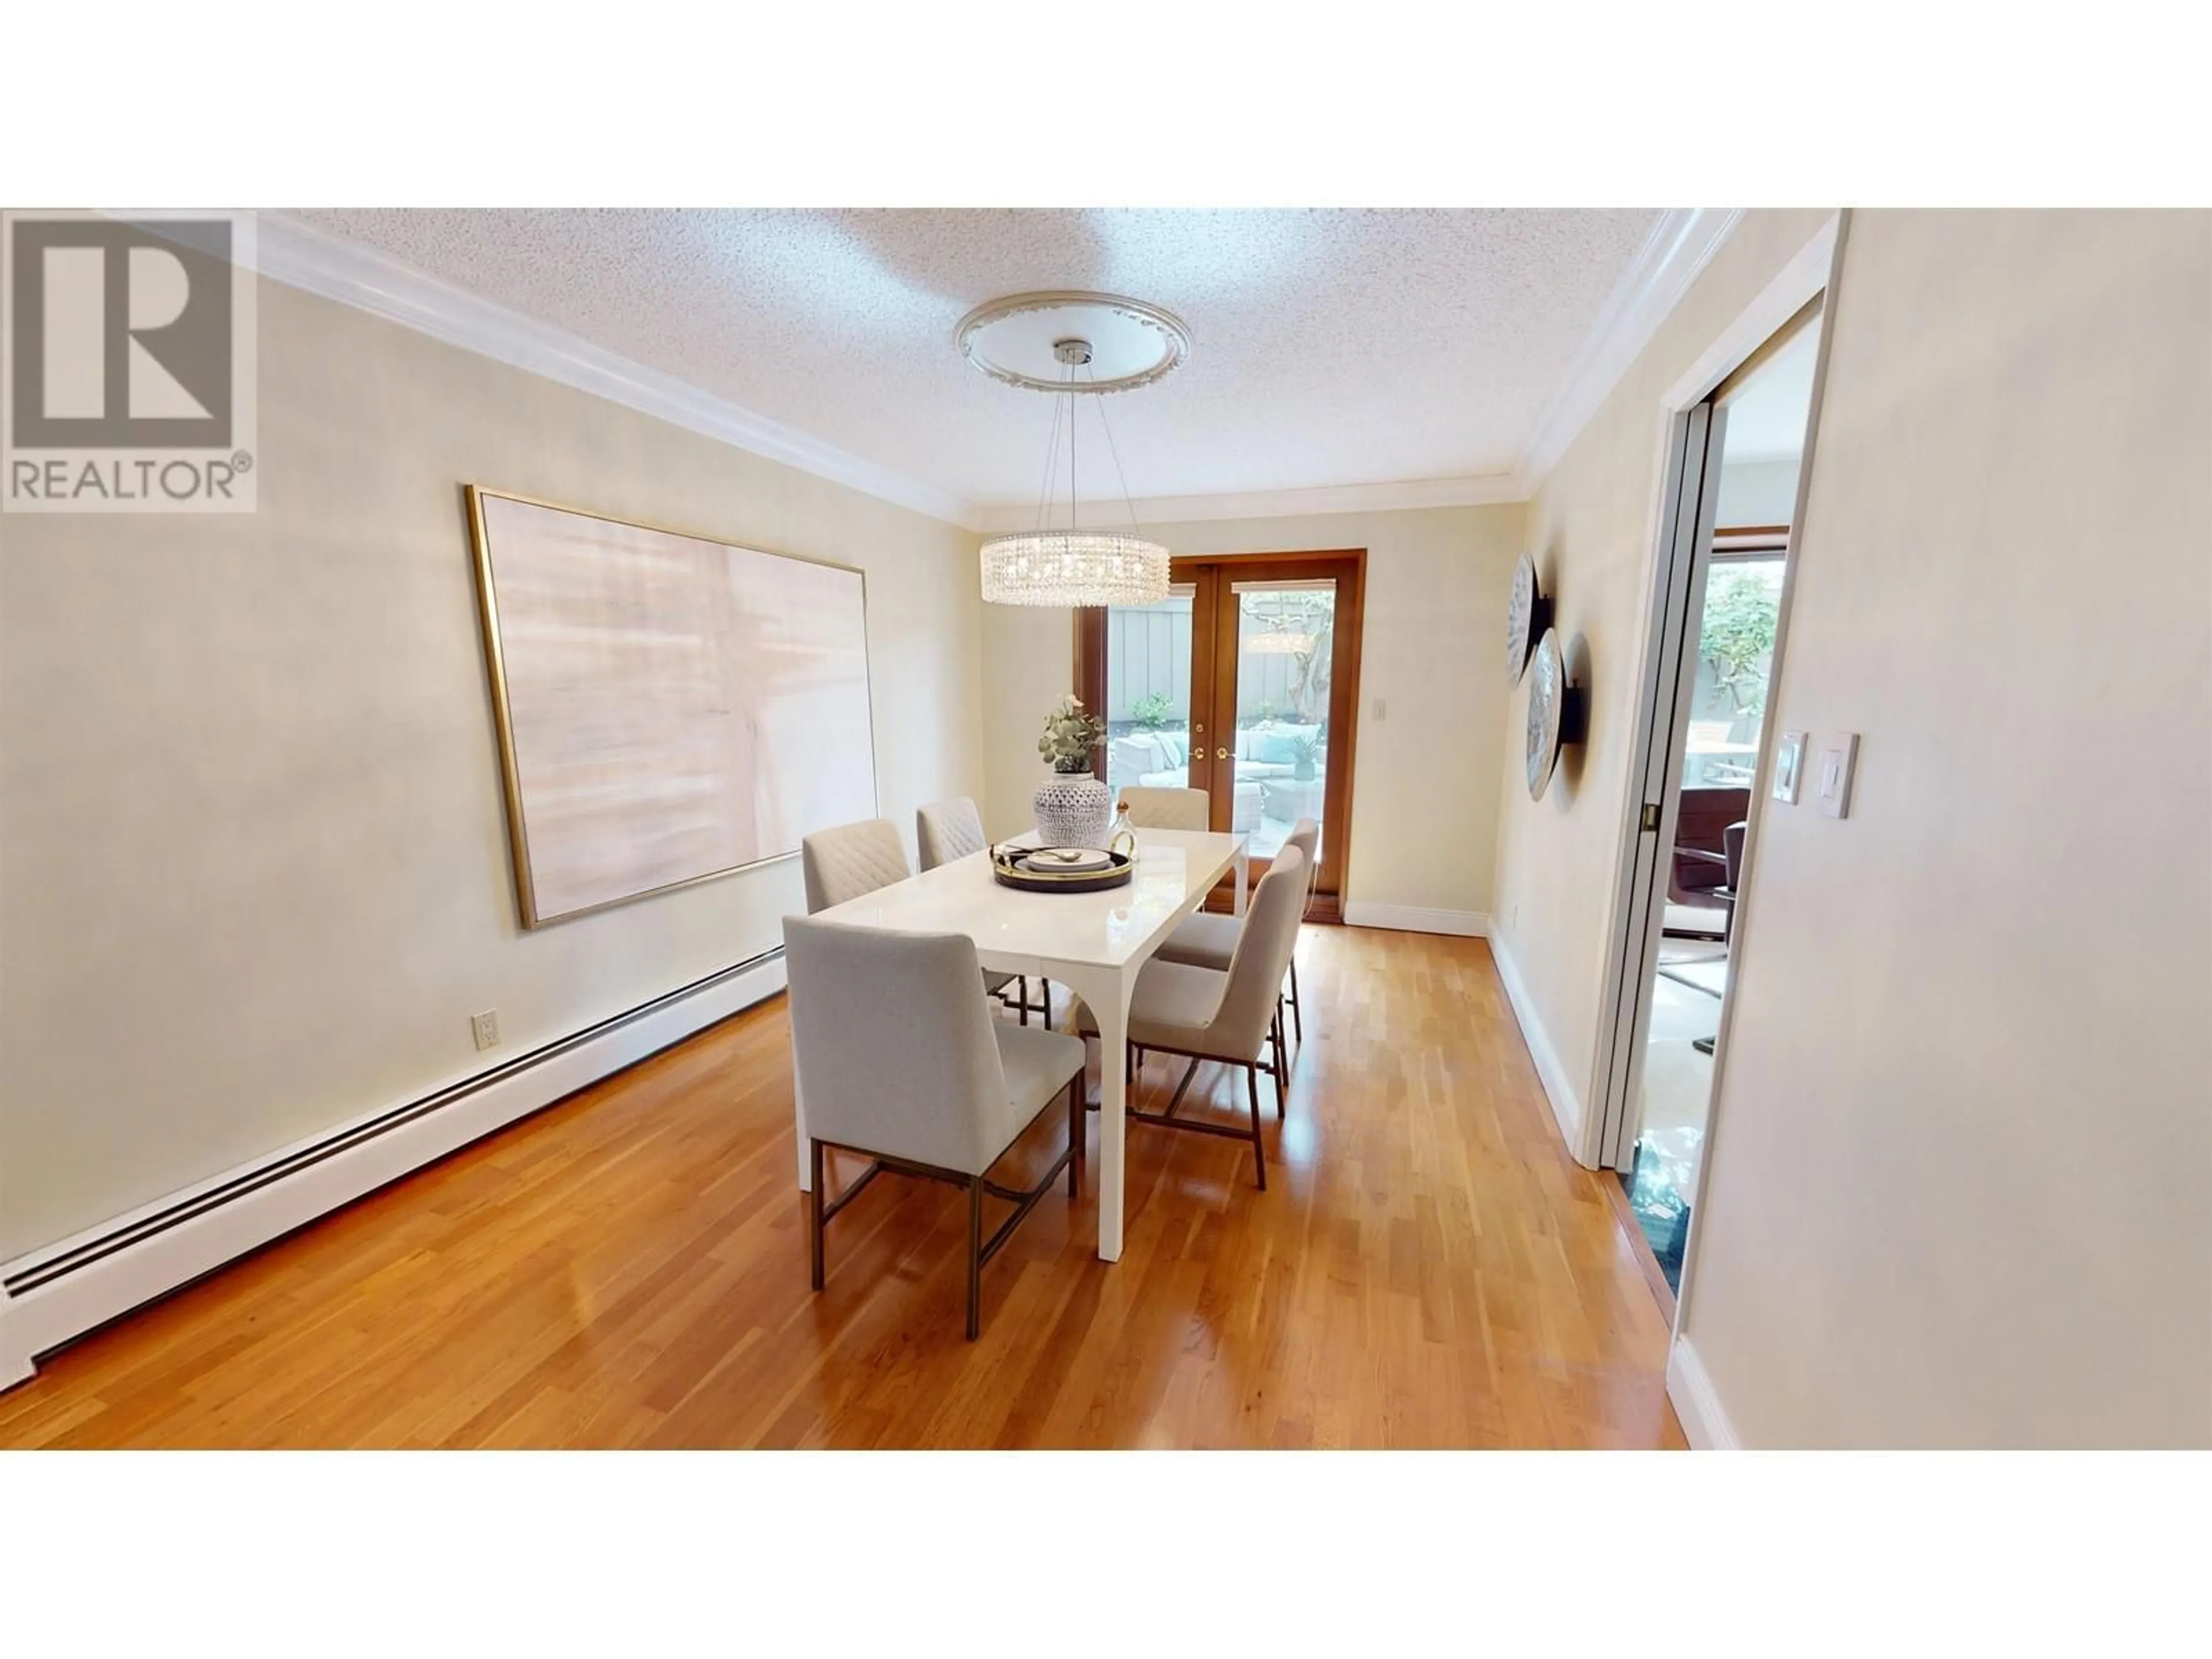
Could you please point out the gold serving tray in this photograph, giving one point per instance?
(1007, 870)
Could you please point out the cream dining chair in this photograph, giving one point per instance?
(898, 1062)
(1207, 940)
(851, 861)
(948, 829)
(1167, 809)
(1200, 1014)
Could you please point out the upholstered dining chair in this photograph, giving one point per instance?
(851, 861)
(1167, 809)
(897, 1060)
(948, 829)
(1229, 1016)
(1206, 941)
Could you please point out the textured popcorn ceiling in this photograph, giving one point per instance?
(1329, 347)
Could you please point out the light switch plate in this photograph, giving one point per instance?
(1833, 769)
(1788, 766)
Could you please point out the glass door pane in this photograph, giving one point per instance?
(1148, 693)
(1735, 653)
(1286, 647)
(1243, 684)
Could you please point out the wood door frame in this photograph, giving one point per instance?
(1211, 668)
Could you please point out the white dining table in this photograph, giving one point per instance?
(1093, 944)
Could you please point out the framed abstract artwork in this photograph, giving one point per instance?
(670, 708)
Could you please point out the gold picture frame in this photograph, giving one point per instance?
(542, 902)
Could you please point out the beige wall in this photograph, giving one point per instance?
(1028, 659)
(1960, 1187)
(1591, 528)
(256, 872)
(1424, 800)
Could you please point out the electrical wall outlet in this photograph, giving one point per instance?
(486, 1027)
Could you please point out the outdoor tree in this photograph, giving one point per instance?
(1738, 632)
(1310, 615)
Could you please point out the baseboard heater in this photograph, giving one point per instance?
(153, 1251)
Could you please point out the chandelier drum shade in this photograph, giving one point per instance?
(1068, 567)
(1022, 340)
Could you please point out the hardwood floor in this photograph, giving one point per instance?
(1427, 1268)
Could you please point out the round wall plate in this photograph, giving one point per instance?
(1132, 343)
(1528, 614)
(1547, 704)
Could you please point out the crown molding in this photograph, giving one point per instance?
(299, 255)
(1479, 489)
(303, 257)
(1679, 246)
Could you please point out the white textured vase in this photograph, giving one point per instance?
(1073, 810)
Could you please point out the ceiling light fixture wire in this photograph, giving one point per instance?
(1047, 566)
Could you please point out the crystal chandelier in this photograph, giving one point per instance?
(1074, 566)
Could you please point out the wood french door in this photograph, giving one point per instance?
(1245, 683)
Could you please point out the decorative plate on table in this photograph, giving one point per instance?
(1067, 860)
(1041, 870)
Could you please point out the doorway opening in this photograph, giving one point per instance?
(1718, 616)
(1242, 683)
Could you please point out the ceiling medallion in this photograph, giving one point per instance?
(1012, 340)
(1133, 342)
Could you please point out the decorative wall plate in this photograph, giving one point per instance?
(1528, 614)
(1557, 712)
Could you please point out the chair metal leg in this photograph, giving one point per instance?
(814, 1203)
(1297, 1014)
(1077, 1133)
(1188, 1072)
(1278, 1054)
(975, 1257)
(1259, 1151)
(1045, 986)
(1021, 990)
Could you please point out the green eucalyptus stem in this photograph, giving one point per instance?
(1070, 734)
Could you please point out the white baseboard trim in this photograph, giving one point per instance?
(1414, 919)
(68, 1288)
(1566, 1105)
(1705, 1425)
(15, 1357)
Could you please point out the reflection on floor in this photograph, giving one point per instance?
(1678, 1083)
